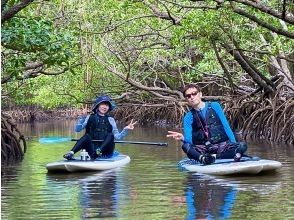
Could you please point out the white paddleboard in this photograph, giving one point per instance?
(99, 164)
(229, 167)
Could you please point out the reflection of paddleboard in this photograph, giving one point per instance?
(99, 164)
(247, 165)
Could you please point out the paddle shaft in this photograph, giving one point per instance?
(131, 142)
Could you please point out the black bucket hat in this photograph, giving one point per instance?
(103, 98)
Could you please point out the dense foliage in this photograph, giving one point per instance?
(65, 52)
(128, 47)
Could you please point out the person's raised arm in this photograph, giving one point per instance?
(81, 123)
(119, 135)
(187, 126)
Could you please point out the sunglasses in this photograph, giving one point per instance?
(188, 96)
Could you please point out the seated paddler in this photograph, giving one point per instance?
(207, 133)
(99, 126)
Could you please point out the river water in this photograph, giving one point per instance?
(150, 187)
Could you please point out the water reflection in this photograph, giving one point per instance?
(264, 183)
(98, 194)
(207, 200)
(210, 197)
(150, 187)
(48, 128)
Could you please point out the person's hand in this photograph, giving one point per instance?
(85, 112)
(176, 135)
(131, 126)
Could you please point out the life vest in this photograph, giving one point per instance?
(98, 127)
(209, 128)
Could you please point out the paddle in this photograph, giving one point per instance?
(131, 142)
(52, 140)
(65, 139)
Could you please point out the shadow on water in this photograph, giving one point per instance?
(81, 176)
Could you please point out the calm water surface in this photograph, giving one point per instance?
(150, 187)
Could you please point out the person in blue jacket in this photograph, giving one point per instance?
(207, 133)
(99, 126)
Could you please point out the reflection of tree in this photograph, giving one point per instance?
(206, 199)
(7, 171)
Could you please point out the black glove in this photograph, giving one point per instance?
(206, 159)
(208, 146)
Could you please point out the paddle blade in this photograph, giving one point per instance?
(52, 140)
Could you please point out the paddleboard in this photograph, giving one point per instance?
(79, 165)
(247, 165)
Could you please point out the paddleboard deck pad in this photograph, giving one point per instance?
(247, 165)
(99, 164)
